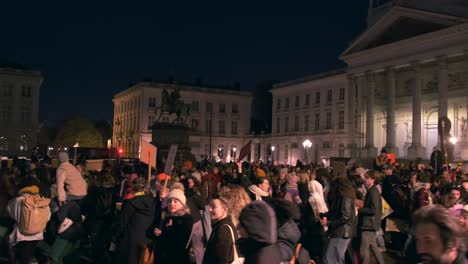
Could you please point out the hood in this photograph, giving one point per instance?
(288, 236)
(259, 220)
(143, 204)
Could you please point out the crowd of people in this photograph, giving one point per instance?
(236, 212)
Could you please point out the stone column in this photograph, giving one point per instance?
(352, 146)
(390, 146)
(416, 150)
(370, 151)
(462, 145)
(442, 80)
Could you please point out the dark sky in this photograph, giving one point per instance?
(89, 51)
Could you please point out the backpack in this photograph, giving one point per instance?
(34, 214)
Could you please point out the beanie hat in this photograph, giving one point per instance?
(177, 194)
(63, 157)
(259, 212)
(284, 170)
(177, 185)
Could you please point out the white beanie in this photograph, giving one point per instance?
(177, 194)
(63, 157)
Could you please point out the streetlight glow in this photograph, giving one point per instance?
(272, 148)
(453, 140)
(307, 144)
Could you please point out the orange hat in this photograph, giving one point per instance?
(188, 164)
(162, 176)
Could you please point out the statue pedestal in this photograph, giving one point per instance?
(461, 149)
(164, 135)
(416, 151)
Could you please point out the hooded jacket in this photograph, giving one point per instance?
(288, 237)
(259, 246)
(136, 219)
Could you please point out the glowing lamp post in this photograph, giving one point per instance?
(306, 144)
(272, 154)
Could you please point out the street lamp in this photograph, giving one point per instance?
(307, 144)
(234, 153)
(272, 154)
(453, 140)
(75, 154)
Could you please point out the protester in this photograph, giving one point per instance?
(174, 233)
(341, 219)
(136, 219)
(259, 190)
(258, 242)
(370, 216)
(220, 246)
(439, 236)
(70, 183)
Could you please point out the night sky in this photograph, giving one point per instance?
(89, 51)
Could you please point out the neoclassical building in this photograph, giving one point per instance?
(19, 110)
(407, 69)
(219, 116)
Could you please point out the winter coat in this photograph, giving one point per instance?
(70, 181)
(219, 248)
(256, 252)
(288, 237)
(341, 217)
(171, 245)
(136, 219)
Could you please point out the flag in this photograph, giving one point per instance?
(245, 150)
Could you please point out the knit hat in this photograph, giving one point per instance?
(284, 170)
(177, 185)
(177, 194)
(63, 157)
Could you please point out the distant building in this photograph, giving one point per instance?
(19, 110)
(223, 114)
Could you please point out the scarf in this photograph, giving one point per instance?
(258, 192)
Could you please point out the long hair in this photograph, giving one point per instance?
(236, 199)
(342, 187)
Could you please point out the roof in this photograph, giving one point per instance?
(183, 87)
(311, 78)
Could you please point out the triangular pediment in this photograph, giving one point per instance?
(398, 24)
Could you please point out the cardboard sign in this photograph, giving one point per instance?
(170, 159)
(148, 153)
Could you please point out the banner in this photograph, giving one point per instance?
(148, 153)
(245, 150)
(170, 159)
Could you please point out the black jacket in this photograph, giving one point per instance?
(371, 214)
(342, 218)
(171, 245)
(220, 247)
(136, 219)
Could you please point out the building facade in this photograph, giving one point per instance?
(221, 117)
(19, 110)
(409, 68)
